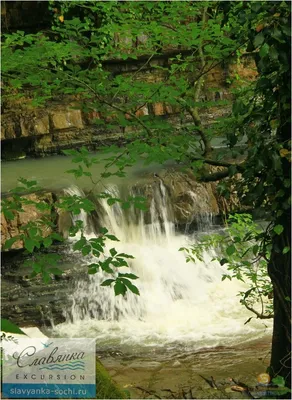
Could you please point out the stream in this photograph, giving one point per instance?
(186, 321)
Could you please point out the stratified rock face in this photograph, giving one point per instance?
(29, 301)
(63, 124)
(16, 124)
(30, 213)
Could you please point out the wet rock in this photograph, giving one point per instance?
(29, 301)
(187, 200)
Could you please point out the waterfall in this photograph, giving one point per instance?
(179, 302)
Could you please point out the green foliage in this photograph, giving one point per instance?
(7, 326)
(83, 37)
(45, 265)
(257, 114)
(280, 383)
(95, 248)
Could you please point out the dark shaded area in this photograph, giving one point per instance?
(30, 16)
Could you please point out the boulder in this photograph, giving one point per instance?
(187, 199)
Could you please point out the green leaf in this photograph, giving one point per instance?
(259, 39)
(223, 261)
(37, 267)
(232, 170)
(286, 249)
(8, 214)
(86, 250)
(273, 53)
(29, 244)
(130, 276)
(126, 205)
(92, 271)
(105, 265)
(55, 271)
(111, 201)
(264, 50)
(113, 252)
(130, 286)
(46, 277)
(255, 249)
(57, 236)
(7, 326)
(107, 282)
(278, 229)
(79, 244)
(230, 250)
(120, 288)
(112, 237)
(141, 206)
(47, 241)
(8, 244)
(124, 255)
(279, 381)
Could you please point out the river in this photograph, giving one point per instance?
(186, 321)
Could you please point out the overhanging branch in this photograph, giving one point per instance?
(259, 315)
(216, 176)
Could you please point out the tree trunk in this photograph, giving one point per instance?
(279, 269)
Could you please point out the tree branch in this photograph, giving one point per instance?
(135, 73)
(115, 107)
(217, 176)
(239, 167)
(198, 86)
(259, 315)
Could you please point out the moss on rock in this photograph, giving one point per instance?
(106, 388)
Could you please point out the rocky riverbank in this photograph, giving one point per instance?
(180, 373)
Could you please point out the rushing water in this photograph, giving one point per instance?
(179, 304)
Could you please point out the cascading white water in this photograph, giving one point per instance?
(178, 302)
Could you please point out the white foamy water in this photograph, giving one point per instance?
(179, 302)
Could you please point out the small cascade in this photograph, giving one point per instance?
(204, 219)
(82, 216)
(178, 302)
